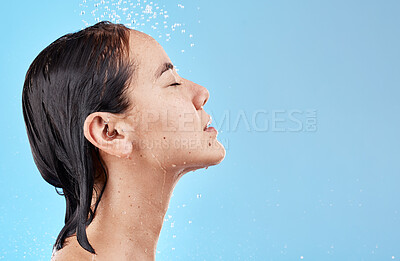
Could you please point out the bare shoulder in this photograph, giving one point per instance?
(71, 251)
(66, 255)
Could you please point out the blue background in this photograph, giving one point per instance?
(305, 95)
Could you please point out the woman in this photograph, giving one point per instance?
(113, 125)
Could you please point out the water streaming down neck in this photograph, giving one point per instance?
(164, 176)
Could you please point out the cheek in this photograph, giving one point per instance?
(172, 115)
(169, 126)
(176, 122)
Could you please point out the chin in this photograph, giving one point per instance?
(217, 154)
(213, 155)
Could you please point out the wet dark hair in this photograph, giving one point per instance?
(76, 75)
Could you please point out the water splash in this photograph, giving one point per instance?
(147, 16)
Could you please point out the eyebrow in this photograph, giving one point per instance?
(163, 68)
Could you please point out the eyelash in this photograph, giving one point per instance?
(175, 84)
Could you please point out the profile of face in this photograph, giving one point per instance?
(166, 126)
(112, 124)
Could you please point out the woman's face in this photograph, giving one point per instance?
(167, 122)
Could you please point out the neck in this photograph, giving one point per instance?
(131, 212)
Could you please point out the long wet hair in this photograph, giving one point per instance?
(76, 75)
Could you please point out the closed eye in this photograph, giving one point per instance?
(175, 84)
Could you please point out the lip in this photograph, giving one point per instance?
(208, 123)
(211, 129)
(208, 128)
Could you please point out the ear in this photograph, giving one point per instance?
(105, 131)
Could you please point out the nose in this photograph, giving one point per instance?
(200, 96)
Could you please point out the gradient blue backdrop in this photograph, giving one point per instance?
(319, 187)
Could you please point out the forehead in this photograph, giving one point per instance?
(146, 53)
